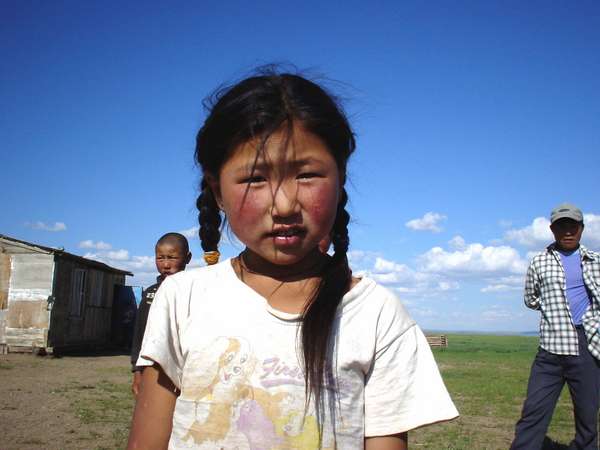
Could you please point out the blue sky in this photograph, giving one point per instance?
(473, 120)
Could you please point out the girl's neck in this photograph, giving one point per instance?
(286, 288)
(309, 267)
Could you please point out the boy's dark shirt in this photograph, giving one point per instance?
(140, 324)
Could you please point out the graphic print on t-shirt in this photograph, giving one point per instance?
(241, 402)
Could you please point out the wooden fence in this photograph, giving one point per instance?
(438, 341)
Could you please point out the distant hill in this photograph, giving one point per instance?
(495, 333)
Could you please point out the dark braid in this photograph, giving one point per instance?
(319, 313)
(339, 232)
(209, 218)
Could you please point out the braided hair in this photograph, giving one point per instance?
(255, 108)
(209, 218)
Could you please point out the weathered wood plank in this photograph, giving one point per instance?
(27, 314)
(4, 279)
(438, 341)
(31, 277)
(26, 337)
(3, 313)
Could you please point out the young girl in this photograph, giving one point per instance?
(280, 347)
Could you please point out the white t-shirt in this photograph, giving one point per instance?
(237, 364)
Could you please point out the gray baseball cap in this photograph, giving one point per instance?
(566, 211)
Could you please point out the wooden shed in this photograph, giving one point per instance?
(52, 299)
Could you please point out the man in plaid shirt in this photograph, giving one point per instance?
(563, 283)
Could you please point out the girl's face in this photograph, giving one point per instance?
(280, 202)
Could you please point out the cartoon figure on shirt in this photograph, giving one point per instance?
(257, 419)
(237, 410)
(300, 431)
(222, 385)
(276, 421)
(257, 427)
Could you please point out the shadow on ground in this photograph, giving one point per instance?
(549, 444)
(90, 351)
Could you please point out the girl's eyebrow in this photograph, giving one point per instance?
(305, 161)
(251, 168)
(265, 166)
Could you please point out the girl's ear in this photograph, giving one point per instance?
(213, 183)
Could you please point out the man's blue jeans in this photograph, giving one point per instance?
(549, 373)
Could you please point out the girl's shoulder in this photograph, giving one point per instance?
(207, 277)
(192, 291)
(367, 297)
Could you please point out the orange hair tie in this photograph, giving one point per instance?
(211, 257)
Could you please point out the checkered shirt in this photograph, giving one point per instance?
(545, 290)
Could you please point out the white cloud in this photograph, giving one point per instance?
(142, 266)
(191, 233)
(473, 259)
(424, 312)
(399, 277)
(492, 288)
(100, 245)
(538, 235)
(429, 222)
(57, 226)
(591, 232)
(457, 243)
(390, 272)
(358, 257)
(442, 272)
(146, 263)
(496, 314)
(510, 283)
(448, 285)
(118, 255)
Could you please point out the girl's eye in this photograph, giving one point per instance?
(307, 175)
(254, 180)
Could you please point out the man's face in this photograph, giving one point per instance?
(567, 233)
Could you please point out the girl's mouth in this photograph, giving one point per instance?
(287, 237)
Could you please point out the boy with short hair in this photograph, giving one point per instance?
(171, 255)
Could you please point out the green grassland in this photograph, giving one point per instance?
(487, 379)
(104, 409)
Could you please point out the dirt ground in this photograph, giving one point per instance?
(72, 402)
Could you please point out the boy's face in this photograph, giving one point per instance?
(170, 259)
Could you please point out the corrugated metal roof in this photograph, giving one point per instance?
(62, 253)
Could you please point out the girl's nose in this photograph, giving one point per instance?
(285, 200)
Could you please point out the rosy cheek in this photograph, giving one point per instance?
(321, 204)
(244, 206)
